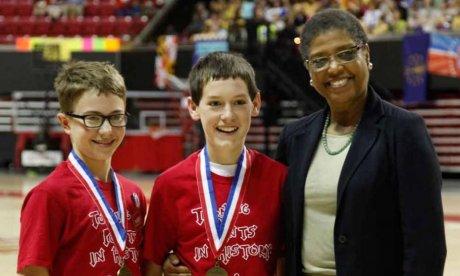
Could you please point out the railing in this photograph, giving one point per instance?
(442, 118)
(164, 113)
(28, 110)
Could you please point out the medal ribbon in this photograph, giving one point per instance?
(220, 229)
(117, 225)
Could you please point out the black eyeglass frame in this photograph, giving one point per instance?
(104, 118)
(334, 56)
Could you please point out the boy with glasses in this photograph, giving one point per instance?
(85, 219)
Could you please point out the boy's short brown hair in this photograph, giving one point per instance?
(218, 66)
(78, 77)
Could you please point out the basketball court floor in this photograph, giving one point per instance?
(13, 188)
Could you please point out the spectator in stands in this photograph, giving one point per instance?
(371, 17)
(399, 25)
(55, 9)
(199, 17)
(225, 199)
(135, 8)
(148, 8)
(74, 8)
(123, 7)
(352, 6)
(39, 8)
(381, 27)
(456, 22)
(426, 15)
(363, 192)
(379, 17)
(231, 13)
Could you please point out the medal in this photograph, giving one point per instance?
(116, 225)
(216, 271)
(218, 229)
(124, 271)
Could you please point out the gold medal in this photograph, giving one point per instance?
(124, 271)
(216, 271)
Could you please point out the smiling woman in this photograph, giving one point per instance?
(362, 196)
(342, 84)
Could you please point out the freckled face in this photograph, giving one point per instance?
(345, 84)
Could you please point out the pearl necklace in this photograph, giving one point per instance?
(324, 138)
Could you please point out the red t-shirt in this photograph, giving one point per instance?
(63, 230)
(176, 219)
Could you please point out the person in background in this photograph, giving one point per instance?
(363, 191)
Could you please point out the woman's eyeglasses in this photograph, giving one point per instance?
(96, 121)
(321, 63)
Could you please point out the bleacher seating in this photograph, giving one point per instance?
(24, 8)
(155, 138)
(7, 8)
(442, 118)
(41, 26)
(101, 17)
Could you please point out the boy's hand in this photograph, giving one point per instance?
(172, 267)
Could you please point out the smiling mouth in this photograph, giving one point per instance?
(227, 130)
(104, 143)
(337, 83)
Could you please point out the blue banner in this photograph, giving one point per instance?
(207, 46)
(415, 51)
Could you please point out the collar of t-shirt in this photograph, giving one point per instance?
(223, 170)
(105, 185)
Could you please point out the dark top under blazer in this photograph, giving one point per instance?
(389, 218)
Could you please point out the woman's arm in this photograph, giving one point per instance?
(419, 182)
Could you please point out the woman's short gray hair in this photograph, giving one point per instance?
(327, 20)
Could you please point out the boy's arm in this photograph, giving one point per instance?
(42, 220)
(152, 269)
(35, 271)
(160, 233)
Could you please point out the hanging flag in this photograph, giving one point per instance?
(415, 48)
(444, 55)
(165, 60)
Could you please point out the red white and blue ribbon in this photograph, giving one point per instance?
(219, 229)
(117, 225)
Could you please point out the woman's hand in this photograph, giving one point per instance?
(173, 267)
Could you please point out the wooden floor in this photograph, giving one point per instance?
(13, 187)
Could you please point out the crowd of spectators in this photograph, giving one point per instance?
(378, 17)
(75, 8)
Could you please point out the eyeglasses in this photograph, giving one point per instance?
(342, 57)
(96, 121)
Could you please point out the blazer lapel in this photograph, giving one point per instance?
(366, 134)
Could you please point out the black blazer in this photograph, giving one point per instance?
(389, 218)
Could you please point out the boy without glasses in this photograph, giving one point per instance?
(219, 209)
(84, 219)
